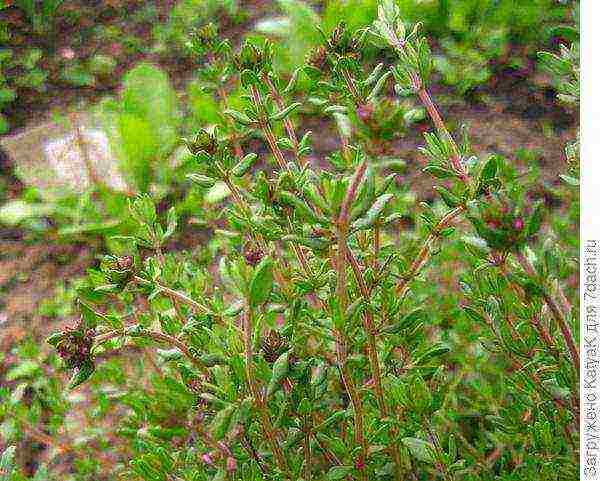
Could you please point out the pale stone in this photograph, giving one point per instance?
(55, 158)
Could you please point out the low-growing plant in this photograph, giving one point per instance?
(564, 66)
(18, 71)
(185, 15)
(40, 13)
(316, 335)
(473, 38)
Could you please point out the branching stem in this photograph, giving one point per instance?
(564, 327)
(425, 251)
(259, 400)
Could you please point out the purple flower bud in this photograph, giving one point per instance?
(207, 459)
(231, 464)
(253, 256)
(493, 224)
(518, 224)
(364, 112)
(223, 447)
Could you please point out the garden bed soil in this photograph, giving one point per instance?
(520, 111)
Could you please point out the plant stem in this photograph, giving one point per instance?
(351, 86)
(440, 126)
(438, 449)
(287, 123)
(234, 140)
(278, 154)
(518, 366)
(247, 443)
(267, 426)
(342, 295)
(342, 354)
(267, 131)
(369, 326)
(175, 294)
(235, 193)
(351, 193)
(307, 450)
(555, 310)
(156, 336)
(425, 251)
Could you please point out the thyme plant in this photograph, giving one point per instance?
(302, 343)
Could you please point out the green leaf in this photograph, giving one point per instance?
(301, 207)
(373, 213)
(82, 373)
(488, 172)
(244, 165)
(473, 314)
(7, 463)
(89, 315)
(102, 65)
(408, 321)
(239, 117)
(285, 143)
(202, 180)
(535, 221)
(7, 95)
(374, 75)
(171, 223)
(280, 370)
(339, 472)
(27, 368)
(217, 193)
(315, 243)
(149, 96)
(79, 76)
(452, 448)
(421, 450)
(16, 211)
(261, 284)
(143, 210)
(448, 197)
(54, 338)
(283, 113)
(335, 418)
(438, 350)
(220, 423)
(569, 180)
(139, 146)
(4, 125)
(439, 172)
(378, 86)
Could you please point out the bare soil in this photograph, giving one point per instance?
(519, 112)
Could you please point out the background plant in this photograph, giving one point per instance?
(317, 332)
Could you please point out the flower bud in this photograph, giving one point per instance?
(518, 223)
(118, 270)
(253, 256)
(207, 459)
(253, 58)
(207, 34)
(317, 58)
(365, 112)
(75, 345)
(231, 464)
(203, 143)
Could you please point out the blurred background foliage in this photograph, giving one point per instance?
(128, 63)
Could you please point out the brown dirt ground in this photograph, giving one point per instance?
(519, 114)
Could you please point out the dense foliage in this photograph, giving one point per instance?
(47, 45)
(318, 333)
